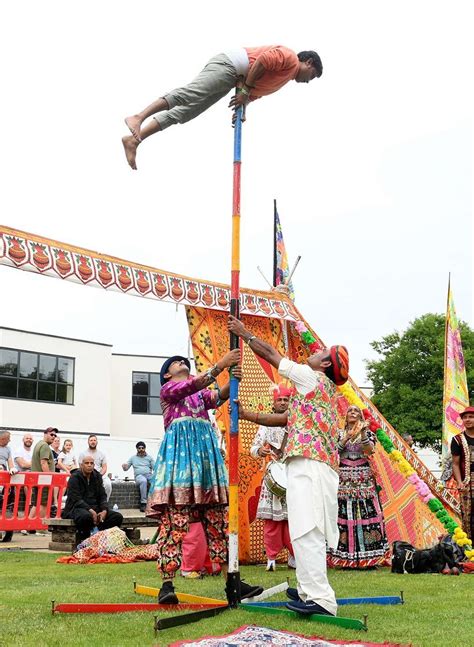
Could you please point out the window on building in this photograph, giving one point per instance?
(36, 376)
(146, 393)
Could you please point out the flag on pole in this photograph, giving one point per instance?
(455, 393)
(281, 268)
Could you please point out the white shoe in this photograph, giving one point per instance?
(270, 565)
(291, 561)
(24, 532)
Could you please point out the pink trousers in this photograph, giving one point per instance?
(276, 536)
(195, 551)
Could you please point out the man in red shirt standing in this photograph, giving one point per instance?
(255, 71)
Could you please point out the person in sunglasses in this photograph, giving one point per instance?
(42, 460)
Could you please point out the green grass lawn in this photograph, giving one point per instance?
(437, 612)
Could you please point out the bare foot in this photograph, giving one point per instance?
(130, 145)
(134, 124)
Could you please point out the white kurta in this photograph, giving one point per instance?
(314, 484)
(269, 505)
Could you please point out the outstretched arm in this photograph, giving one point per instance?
(255, 73)
(225, 391)
(265, 419)
(176, 391)
(259, 347)
(244, 88)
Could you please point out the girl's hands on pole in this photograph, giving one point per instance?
(237, 372)
(232, 358)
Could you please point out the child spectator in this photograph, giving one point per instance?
(66, 458)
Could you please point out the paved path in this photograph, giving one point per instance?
(41, 541)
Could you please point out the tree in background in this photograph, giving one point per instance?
(408, 379)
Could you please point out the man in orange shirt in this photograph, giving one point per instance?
(255, 71)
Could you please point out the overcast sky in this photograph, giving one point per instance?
(371, 164)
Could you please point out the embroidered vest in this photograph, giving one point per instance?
(312, 424)
(465, 465)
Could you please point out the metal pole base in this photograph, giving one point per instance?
(232, 589)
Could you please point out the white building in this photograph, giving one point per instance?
(80, 387)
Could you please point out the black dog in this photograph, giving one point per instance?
(408, 559)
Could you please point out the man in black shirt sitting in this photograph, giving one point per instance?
(86, 501)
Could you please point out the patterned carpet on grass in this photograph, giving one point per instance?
(252, 636)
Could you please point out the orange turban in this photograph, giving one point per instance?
(338, 372)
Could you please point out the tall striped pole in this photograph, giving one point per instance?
(233, 580)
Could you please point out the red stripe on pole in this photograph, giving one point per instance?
(234, 459)
(234, 284)
(236, 192)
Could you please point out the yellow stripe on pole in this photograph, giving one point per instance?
(235, 243)
(233, 508)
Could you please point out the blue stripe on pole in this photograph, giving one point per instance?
(238, 135)
(234, 409)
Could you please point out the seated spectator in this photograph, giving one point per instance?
(86, 501)
(408, 438)
(143, 466)
(67, 459)
(22, 456)
(100, 462)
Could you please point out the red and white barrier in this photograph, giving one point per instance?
(11, 518)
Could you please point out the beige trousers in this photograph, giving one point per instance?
(216, 79)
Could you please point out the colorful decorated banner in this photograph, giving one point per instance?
(33, 253)
(282, 269)
(455, 394)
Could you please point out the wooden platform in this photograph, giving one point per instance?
(63, 531)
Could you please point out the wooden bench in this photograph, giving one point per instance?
(63, 531)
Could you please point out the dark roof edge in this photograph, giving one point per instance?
(43, 334)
